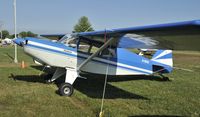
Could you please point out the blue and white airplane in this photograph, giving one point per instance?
(105, 52)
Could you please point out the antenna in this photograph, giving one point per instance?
(15, 28)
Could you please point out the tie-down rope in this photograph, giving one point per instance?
(101, 114)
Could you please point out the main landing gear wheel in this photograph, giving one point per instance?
(66, 89)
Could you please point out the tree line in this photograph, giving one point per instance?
(6, 34)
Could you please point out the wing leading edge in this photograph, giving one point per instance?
(175, 36)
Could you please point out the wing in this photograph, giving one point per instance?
(175, 36)
(53, 36)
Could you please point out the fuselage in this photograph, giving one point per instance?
(61, 55)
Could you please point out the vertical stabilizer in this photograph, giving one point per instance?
(163, 58)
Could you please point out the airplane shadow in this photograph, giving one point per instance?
(94, 88)
(91, 87)
(136, 77)
(29, 78)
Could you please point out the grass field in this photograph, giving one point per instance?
(24, 93)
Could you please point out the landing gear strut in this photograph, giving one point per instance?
(58, 73)
(66, 88)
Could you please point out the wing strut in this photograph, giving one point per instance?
(95, 54)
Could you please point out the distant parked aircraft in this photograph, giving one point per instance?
(7, 41)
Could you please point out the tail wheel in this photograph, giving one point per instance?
(166, 79)
(66, 89)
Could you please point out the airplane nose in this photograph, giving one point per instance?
(19, 41)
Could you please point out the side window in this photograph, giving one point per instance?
(72, 43)
(108, 52)
(87, 48)
(84, 47)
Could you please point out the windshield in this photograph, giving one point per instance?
(64, 38)
(68, 40)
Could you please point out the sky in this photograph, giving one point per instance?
(60, 16)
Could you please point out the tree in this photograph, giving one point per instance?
(12, 36)
(23, 34)
(5, 34)
(83, 25)
(30, 34)
(27, 34)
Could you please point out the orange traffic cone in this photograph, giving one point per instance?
(23, 65)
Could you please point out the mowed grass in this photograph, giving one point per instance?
(24, 93)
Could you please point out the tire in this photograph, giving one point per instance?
(66, 89)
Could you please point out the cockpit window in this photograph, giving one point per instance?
(69, 40)
(63, 39)
(108, 52)
(86, 46)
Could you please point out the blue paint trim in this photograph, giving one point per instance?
(158, 52)
(127, 57)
